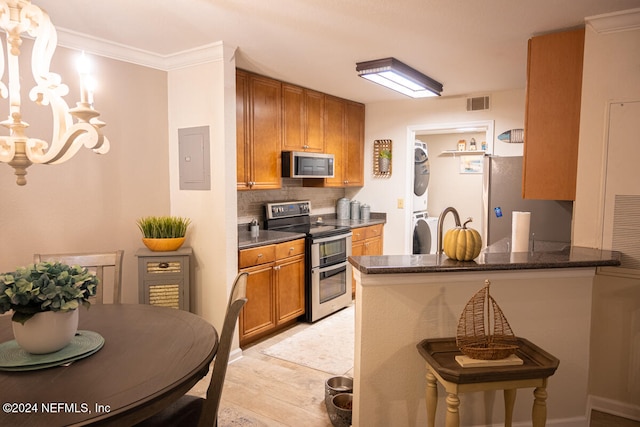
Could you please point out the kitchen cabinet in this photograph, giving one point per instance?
(163, 277)
(366, 241)
(552, 116)
(302, 119)
(344, 138)
(258, 131)
(275, 288)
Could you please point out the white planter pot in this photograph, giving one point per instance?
(47, 331)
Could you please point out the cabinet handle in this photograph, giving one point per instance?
(259, 255)
(277, 267)
(291, 249)
(163, 265)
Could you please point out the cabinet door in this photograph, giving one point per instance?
(373, 246)
(242, 131)
(314, 120)
(357, 249)
(354, 145)
(257, 315)
(552, 118)
(266, 132)
(292, 118)
(289, 288)
(334, 131)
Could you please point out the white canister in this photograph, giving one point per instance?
(342, 208)
(355, 209)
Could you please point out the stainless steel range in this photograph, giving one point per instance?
(328, 274)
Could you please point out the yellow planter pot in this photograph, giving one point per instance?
(164, 245)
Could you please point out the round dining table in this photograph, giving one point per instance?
(149, 358)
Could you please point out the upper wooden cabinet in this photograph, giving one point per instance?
(302, 124)
(552, 118)
(273, 116)
(344, 138)
(258, 131)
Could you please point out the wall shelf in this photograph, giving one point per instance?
(464, 153)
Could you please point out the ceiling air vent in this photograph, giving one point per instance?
(478, 103)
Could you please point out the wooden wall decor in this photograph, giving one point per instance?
(382, 159)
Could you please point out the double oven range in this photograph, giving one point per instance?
(327, 271)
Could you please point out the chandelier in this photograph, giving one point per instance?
(72, 128)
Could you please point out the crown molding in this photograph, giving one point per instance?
(203, 54)
(624, 20)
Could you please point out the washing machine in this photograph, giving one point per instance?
(425, 237)
(420, 176)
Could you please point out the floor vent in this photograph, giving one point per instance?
(479, 103)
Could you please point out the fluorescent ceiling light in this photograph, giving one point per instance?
(395, 75)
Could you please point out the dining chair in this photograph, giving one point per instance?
(96, 263)
(192, 410)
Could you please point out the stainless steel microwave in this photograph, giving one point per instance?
(298, 164)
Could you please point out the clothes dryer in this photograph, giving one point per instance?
(425, 237)
(421, 175)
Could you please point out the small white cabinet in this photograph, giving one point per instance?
(163, 277)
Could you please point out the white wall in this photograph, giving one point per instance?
(611, 74)
(393, 120)
(204, 95)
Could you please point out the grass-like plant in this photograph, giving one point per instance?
(163, 227)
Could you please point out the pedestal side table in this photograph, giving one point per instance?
(442, 367)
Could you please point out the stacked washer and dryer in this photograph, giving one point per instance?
(424, 227)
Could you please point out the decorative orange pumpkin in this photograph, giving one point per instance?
(462, 243)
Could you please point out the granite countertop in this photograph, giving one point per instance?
(491, 259)
(265, 237)
(269, 237)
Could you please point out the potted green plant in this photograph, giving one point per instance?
(384, 160)
(163, 233)
(44, 298)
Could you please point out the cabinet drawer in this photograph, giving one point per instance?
(257, 256)
(373, 231)
(163, 267)
(358, 234)
(287, 249)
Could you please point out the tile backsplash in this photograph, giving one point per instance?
(323, 200)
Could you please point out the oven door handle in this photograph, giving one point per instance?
(332, 238)
(318, 270)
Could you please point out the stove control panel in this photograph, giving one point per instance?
(288, 209)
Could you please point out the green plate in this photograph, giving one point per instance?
(14, 358)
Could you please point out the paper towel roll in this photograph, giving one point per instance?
(520, 231)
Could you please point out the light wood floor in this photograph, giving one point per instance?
(262, 391)
(600, 419)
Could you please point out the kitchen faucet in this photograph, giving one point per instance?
(444, 213)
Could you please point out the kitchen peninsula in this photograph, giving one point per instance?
(402, 299)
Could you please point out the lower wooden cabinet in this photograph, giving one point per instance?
(275, 288)
(366, 241)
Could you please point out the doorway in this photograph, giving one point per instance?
(483, 130)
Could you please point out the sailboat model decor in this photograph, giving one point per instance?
(483, 330)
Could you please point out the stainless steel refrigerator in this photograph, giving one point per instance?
(502, 194)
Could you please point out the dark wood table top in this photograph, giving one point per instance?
(440, 353)
(151, 356)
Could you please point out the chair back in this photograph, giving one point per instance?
(96, 263)
(237, 300)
